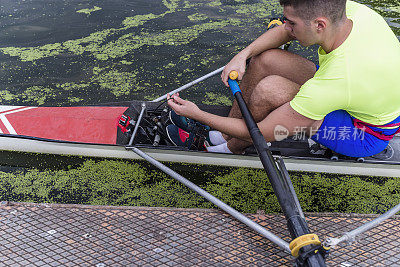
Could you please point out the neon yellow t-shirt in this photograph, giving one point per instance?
(362, 76)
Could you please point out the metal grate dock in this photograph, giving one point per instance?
(77, 235)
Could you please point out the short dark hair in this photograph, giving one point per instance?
(311, 9)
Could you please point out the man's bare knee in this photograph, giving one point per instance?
(266, 59)
(274, 90)
(283, 63)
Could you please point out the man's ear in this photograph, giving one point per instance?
(320, 24)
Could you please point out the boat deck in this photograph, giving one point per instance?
(77, 235)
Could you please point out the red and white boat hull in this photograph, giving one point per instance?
(76, 124)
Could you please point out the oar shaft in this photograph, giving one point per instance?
(253, 225)
(280, 183)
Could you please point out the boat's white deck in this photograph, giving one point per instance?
(110, 151)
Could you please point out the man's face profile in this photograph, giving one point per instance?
(297, 27)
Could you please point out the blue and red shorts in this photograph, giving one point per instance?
(348, 136)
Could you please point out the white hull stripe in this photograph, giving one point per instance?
(9, 110)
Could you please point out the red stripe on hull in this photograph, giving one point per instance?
(77, 124)
(3, 128)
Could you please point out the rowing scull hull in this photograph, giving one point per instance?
(91, 132)
(194, 157)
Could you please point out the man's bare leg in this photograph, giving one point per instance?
(269, 94)
(285, 73)
(273, 62)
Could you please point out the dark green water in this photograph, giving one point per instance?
(79, 52)
(122, 182)
(70, 52)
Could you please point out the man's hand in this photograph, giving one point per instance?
(237, 63)
(183, 107)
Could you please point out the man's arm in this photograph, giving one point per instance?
(284, 116)
(272, 38)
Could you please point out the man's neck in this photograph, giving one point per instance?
(337, 38)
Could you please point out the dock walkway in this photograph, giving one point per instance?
(80, 235)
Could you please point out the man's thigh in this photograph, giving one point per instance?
(286, 64)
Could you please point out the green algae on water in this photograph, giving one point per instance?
(207, 32)
(91, 43)
(258, 10)
(125, 62)
(33, 53)
(118, 43)
(72, 86)
(100, 183)
(395, 9)
(197, 17)
(5, 95)
(119, 48)
(215, 3)
(139, 20)
(39, 94)
(137, 183)
(217, 99)
(89, 11)
(118, 83)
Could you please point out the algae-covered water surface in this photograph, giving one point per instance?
(78, 52)
(85, 52)
(124, 182)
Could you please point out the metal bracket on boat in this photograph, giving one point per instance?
(215, 72)
(137, 124)
(351, 236)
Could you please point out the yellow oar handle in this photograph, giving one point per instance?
(233, 75)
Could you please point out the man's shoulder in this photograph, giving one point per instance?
(356, 11)
(370, 40)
